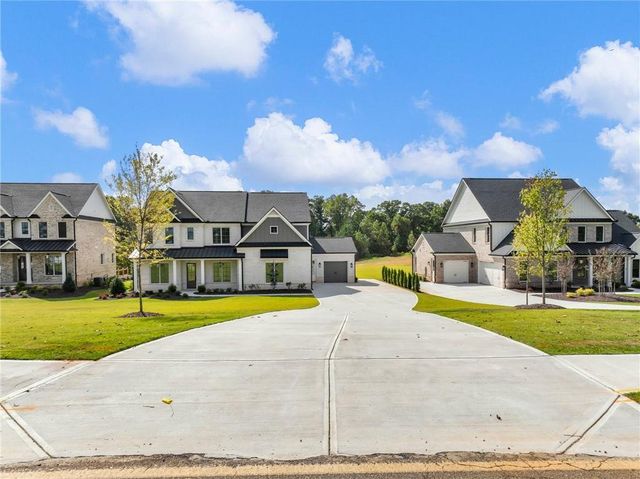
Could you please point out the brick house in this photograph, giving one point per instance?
(476, 242)
(49, 230)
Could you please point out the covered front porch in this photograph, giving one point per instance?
(36, 262)
(189, 270)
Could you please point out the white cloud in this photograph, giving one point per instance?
(546, 127)
(81, 125)
(511, 122)
(624, 145)
(433, 158)
(66, 177)
(7, 78)
(194, 172)
(605, 83)
(431, 191)
(284, 152)
(610, 183)
(108, 170)
(504, 152)
(450, 124)
(173, 43)
(342, 63)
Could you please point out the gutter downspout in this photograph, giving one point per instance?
(75, 254)
(504, 272)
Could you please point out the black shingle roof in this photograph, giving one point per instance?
(500, 197)
(333, 245)
(205, 252)
(505, 248)
(23, 197)
(448, 243)
(241, 206)
(591, 248)
(39, 246)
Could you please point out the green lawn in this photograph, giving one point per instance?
(554, 331)
(371, 268)
(86, 328)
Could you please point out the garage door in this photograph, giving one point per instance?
(456, 271)
(490, 273)
(335, 271)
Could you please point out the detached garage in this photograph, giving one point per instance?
(444, 258)
(333, 260)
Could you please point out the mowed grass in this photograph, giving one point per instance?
(371, 268)
(554, 331)
(86, 328)
(634, 396)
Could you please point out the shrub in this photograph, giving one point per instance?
(172, 288)
(302, 285)
(572, 295)
(128, 284)
(20, 286)
(69, 285)
(585, 292)
(23, 294)
(635, 283)
(117, 287)
(202, 289)
(185, 295)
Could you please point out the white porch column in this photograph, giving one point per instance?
(202, 277)
(590, 272)
(174, 270)
(63, 257)
(136, 282)
(28, 259)
(239, 274)
(628, 264)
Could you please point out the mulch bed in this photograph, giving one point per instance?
(539, 306)
(138, 314)
(599, 298)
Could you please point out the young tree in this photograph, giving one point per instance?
(564, 264)
(541, 229)
(607, 264)
(141, 195)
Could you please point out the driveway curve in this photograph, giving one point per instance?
(362, 373)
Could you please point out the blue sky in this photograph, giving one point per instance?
(383, 100)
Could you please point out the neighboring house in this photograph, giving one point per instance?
(244, 241)
(476, 243)
(49, 230)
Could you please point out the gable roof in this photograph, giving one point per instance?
(500, 197)
(624, 231)
(240, 206)
(19, 199)
(333, 245)
(270, 214)
(447, 243)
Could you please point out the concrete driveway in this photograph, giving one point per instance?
(359, 374)
(485, 294)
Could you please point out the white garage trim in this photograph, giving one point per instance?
(456, 271)
(318, 261)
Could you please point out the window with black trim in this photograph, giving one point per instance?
(222, 272)
(168, 235)
(62, 229)
(24, 227)
(160, 273)
(474, 235)
(52, 265)
(42, 229)
(635, 269)
(599, 233)
(487, 234)
(2, 232)
(582, 234)
(221, 236)
(274, 273)
(273, 230)
(190, 234)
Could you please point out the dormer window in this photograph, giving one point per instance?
(582, 234)
(273, 230)
(2, 232)
(24, 228)
(599, 234)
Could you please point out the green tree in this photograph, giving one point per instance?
(142, 195)
(318, 225)
(541, 230)
(400, 227)
(342, 213)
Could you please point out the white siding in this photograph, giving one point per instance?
(203, 235)
(583, 206)
(320, 259)
(466, 208)
(96, 206)
(499, 231)
(297, 267)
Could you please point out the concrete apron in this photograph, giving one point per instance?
(359, 374)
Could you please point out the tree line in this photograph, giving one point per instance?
(392, 227)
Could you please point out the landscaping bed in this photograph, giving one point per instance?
(596, 298)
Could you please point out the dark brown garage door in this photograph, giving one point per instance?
(335, 271)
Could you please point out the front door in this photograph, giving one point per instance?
(581, 272)
(191, 276)
(22, 268)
